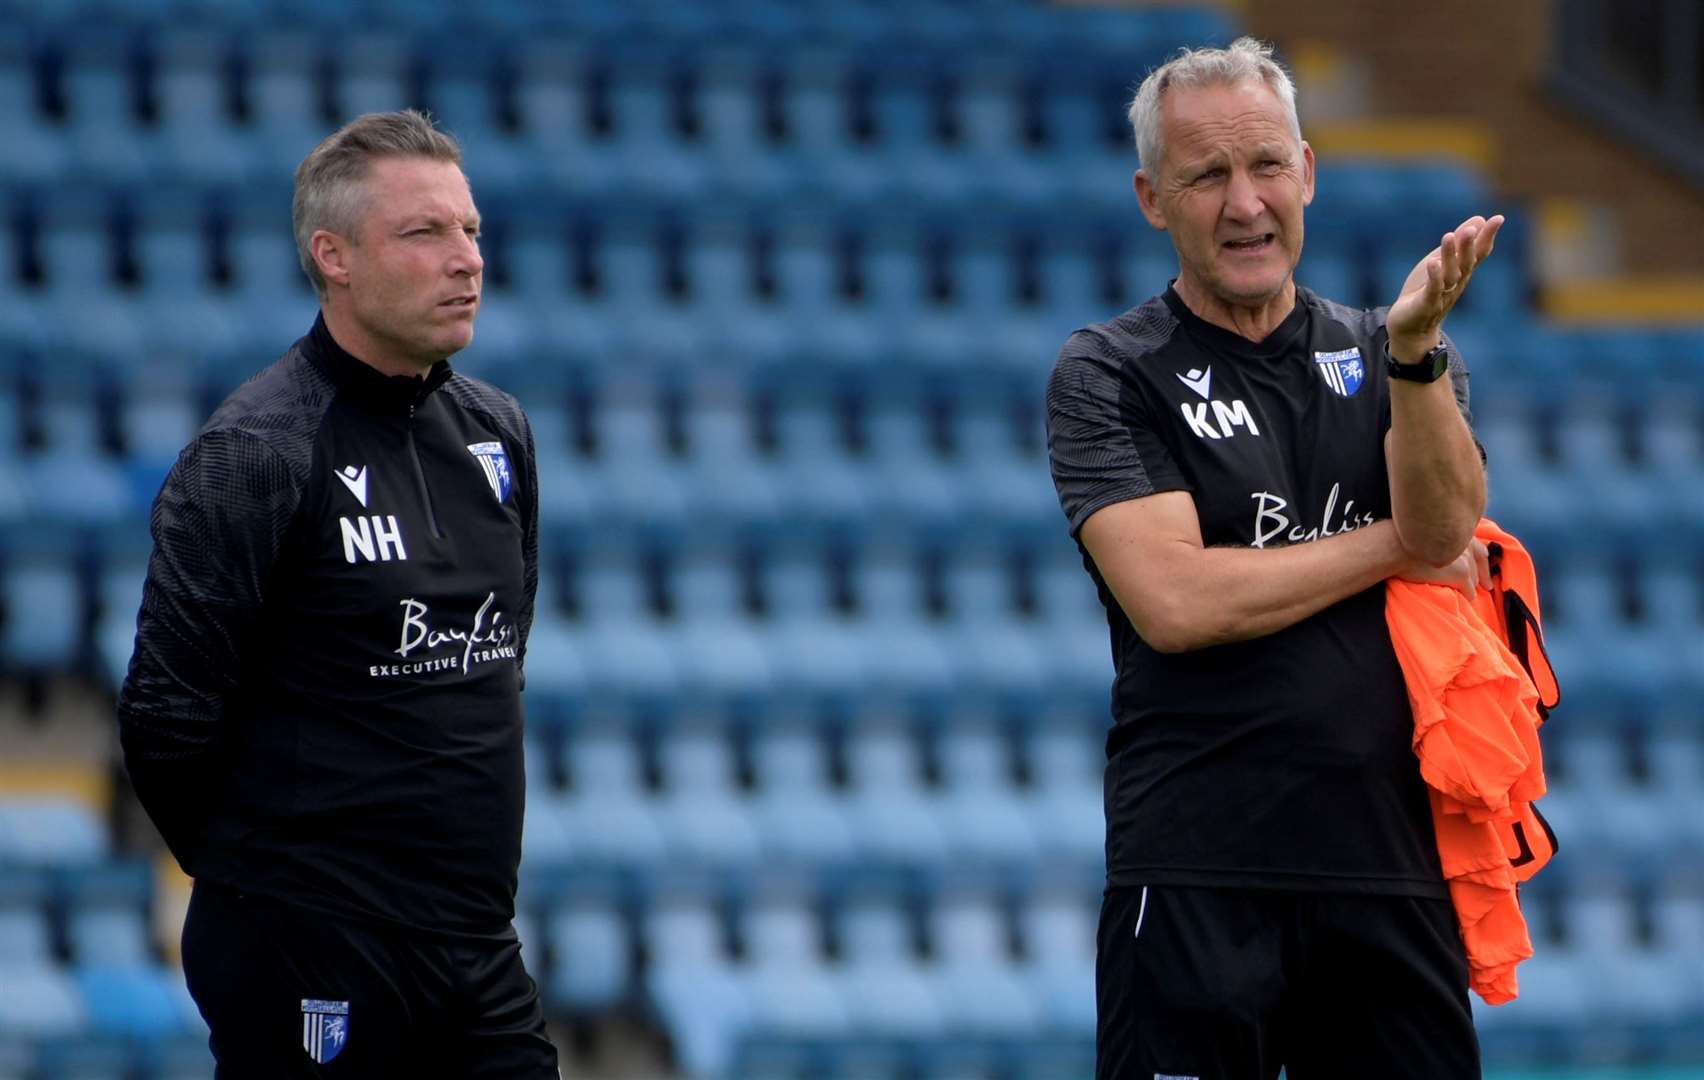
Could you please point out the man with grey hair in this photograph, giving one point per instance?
(322, 714)
(1243, 464)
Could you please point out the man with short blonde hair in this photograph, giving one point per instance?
(322, 714)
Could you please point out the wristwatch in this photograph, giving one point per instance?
(1429, 368)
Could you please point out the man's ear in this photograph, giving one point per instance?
(1150, 199)
(330, 252)
(1307, 173)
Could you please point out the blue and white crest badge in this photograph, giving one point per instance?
(325, 1028)
(1342, 371)
(495, 462)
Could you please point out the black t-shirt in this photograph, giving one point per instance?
(1282, 761)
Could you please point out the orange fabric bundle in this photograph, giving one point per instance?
(1477, 711)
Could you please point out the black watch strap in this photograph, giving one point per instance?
(1429, 368)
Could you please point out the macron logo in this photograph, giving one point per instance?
(355, 480)
(1199, 381)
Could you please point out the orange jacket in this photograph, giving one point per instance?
(1480, 687)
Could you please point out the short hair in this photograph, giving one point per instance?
(1246, 60)
(329, 180)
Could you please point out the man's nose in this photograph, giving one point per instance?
(467, 259)
(1242, 197)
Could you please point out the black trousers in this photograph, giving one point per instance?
(1232, 984)
(291, 994)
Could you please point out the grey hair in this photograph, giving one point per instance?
(329, 181)
(1246, 60)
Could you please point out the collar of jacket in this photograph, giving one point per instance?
(365, 383)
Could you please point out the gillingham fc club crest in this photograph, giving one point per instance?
(325, 1028)
(1342, 371)
(495, 462)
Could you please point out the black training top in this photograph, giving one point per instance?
(324, 702)
(1282, 761)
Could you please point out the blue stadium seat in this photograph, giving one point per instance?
(129, 1000)
(1675, 758)
(1146, 267)
(605, 812)
(722, 650)
(644, 135)
(907, 477)
(1001, 458)
(984, 818)
(50, 830)
(1673, 435)
(1072, 627)
(904, 652)
(371, 72)
(463, 95)
(625, 649)
(76, 488)
(70, 410)
(119, 597)
(35, 153)
(703, 820)
(1333, 274)
(102, 129)
(718, 269)
(264, 265)
(1058, 930)
(1066, 764)
(197, 138)
(158, 420)
(284, 94)
(546, 839)
(894, 819)
(539, 256)
(818, 119)
(895, 281)
(43, 628)
(980, 988)
(1527, 494)
(819, 482)
(553, 107)
(882, 981)
(993, 648)
(796, 817)
(742, 158)
(77, 241)
(1629, 985)
(109, 937)
(1618, 813)
(725, 475)
(25, 936)
(691, 984)
(592, 958)
(787, 981)
(1070, 279)
(41, 1002)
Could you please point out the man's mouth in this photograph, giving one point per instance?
(1252, 243)
(461, 301)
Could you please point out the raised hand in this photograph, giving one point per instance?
(1436, 283)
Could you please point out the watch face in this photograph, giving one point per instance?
(1429, 368)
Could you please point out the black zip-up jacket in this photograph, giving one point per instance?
(324, 702)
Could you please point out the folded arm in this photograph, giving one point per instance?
(1181, 595)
